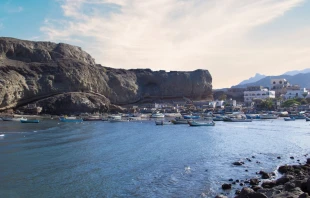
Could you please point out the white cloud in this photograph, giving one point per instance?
(182, 35)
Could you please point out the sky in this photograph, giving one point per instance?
(233, 39)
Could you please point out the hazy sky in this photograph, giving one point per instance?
(233, 39)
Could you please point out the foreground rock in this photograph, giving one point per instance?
(34, 71)
(295, 183)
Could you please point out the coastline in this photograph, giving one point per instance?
(287, 181)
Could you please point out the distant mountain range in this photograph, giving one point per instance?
(302, 78)
(257, 77)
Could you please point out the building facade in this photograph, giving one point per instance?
(293, 92)
(257, 92)
(279, 86)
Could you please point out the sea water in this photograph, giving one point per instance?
(140, 159)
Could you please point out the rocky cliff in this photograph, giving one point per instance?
(61, 76)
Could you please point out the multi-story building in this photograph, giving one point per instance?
(279, 86)
(257, 92)
(296, 92)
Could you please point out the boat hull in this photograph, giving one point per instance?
(70, 120)
(29, 121)
(193, 123)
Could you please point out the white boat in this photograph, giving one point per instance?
(237, 120)
(13, 119)
(157, 115)
(180, 120)
(268, 116)
(161, 122)
(195, 123)
(289, 119)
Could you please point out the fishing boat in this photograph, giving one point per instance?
(70, 119)
(218, 118)
(92, 118)
(268, 116)
(252, 116)
(161, 122)
(307, 119)
(29, 121)
(298, 116)
(289, 119)
(13, 119)
(237, 120)
(157, 115)
(180, 120)
(195, 123)
(191, 117)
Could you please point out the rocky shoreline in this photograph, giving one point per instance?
(293, 183)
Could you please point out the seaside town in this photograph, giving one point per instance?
(281, 99)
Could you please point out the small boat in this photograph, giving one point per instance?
(161, 122)
(191, 117)
(268, 116)
(157, 115)
(29, 121)
(92, 118)
(237, 120)
(218, 118)
(195, 123)
(179, 121)
(307, 119)
(289, 119)
(298, 116)
(119, 120)
(13, 119)
(252, 116)
(70, 119)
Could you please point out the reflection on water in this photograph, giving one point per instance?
(101, 159)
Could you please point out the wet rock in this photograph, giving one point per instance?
(254, 181)
(292, 157)
(264, 174)
(278, 157)
(256, 188)
(308, 161)
(308, 185)
(233, 183)
(294, 193)
(284, 179)
(250, 193)
(238, 163)
(253, 156)
(237, 192)
(241, 184)
(304, 195)
(289, 186)
(226, 186)
(231, 179)
(268, 184)
(285, 169)
(237, 180)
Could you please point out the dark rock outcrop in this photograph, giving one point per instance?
(36, 71)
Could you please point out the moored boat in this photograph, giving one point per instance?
(13, 119)
(70, 119)
(298, 116)
(161, 122)
(289, 119)
(195, 123)
(191, 117)
(157, 115)
(29, 121)
(307, 119)
(179, 120)
(268, 116)
(237, 120)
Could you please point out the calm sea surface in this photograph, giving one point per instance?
(139, 159)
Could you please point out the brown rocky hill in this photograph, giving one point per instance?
(65, 79)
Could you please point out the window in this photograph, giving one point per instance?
(274, 82)
(280, 82)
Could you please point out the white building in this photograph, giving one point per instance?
(262, 93)
(279, 83)
(296, 93)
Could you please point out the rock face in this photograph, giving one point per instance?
(36, 71)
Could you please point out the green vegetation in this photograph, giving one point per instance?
(267, 104)
(291, 102)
